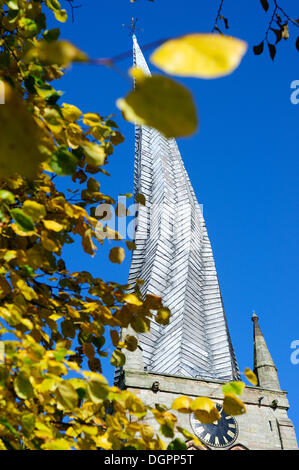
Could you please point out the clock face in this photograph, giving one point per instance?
(221, 433)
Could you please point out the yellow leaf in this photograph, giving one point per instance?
(232, 405)
(118, 359)
(22, 386)
(74, 135)
(52, 225)
(87, 243)
(117, 254)
(182, 404)
(147, 432)
(19, 150)
(57, 444)
(163, 316)
(70, 113)
(250, 375)
(132, 299)
(53, 120)
(26, 290)
(60, 53)
(66, 396)
(90, 119)
(48, 243)
(35, 210)
(97, 388)
(137, 74)
(162, 103)
(200, 55)
(94, 154)
(205, 410)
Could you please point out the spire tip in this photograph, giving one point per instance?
(254, 316)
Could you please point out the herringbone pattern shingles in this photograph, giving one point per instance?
(175, 259)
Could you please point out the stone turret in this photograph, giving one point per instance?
(264, 366)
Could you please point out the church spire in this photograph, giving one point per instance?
(264, 366)
(174, 257)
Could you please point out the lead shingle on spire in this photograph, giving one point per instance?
(174, 257)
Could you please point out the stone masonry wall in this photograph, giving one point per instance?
(264, 426)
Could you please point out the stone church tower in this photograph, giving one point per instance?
(193, 355)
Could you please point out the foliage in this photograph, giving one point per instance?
(53, 322)
(278, 27)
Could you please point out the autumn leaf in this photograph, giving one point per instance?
(97, 389)
(250, 375)
(23, 221)
(53, 225)
(66, 396)
(23, 386)
(232, 405)
(131, 342)
(234, 387)
(95, 154)
(60, 53)
(34, 210)
(117, 254)
(200, 55)
(132, 299)
(182, 404)
(205, 410)
(118, 359)
(19, 150)
(162, 103)
(163, 316)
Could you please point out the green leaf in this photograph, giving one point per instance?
(28, 423)
(4, 374)
(161, 103)
(51, 34)
(167, 429)
(63, 162)
(29, 27)
(177, 444)
(234, 387)
(22, 386)
(23, 221)
(7, 196)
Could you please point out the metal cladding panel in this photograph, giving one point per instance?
(175, 259)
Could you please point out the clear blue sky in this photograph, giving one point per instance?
(242, 162)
